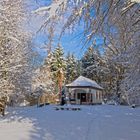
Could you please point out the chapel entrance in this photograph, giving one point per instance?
(82, 98)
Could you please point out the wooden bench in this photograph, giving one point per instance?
(41, 105)
(68, 108)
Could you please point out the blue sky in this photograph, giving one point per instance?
(71, 42)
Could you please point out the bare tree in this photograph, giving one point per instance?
(117, 21)
(15, 51)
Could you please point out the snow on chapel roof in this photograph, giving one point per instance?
(84, 82)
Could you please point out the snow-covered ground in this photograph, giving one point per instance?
(102, 122)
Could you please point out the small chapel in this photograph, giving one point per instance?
(84, 91)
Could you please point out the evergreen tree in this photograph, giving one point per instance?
(78, 68)
(71, 72)
(91, 64)
(58, 67)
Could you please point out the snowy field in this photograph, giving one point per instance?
(91, 123)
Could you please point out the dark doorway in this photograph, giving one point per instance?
(83, 97)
